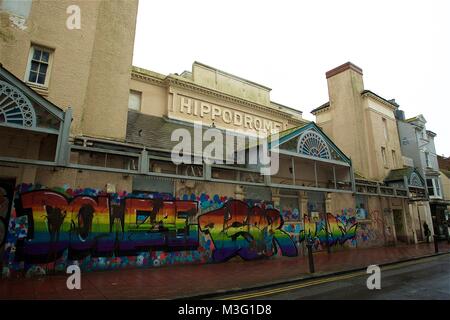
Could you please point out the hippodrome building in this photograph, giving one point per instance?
(85, 158)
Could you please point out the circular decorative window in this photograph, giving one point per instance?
(312, 144)
(15, 108)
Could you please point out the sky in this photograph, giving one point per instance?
(402, 46)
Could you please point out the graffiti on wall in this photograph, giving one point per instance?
(51, 228)
(102, 225)
(330, 231)
(4, 206)
(335, 229)
(205, 201)
(247, 231)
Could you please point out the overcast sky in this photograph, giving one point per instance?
(403, 48)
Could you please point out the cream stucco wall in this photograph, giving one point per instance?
(90, 67)
(375, 112)
(219, 94)
(221, 81)
(153, 98)
(354, 122)
(445, 181)
(343, 121)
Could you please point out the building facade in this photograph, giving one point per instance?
(444, 167)
(418, 144)
(86, 168)
(364, 126)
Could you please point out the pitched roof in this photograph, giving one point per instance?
(391, 102)
(31, 94)
(155, 132)
(290, 134)
(398, 174)
(325, 105)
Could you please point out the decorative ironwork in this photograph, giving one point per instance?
(15, 107)
(312, 144)
(414, 180)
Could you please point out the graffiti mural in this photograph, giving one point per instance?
(52, 228)
(102, 225)
(4, 206)
(247, 231)
(205, 201)
(334, 230)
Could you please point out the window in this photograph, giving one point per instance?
(134, 100)
(361, 207)
(427, 159)
(437, 187)
(434, 188)
(383, 155)
(394, 159)
(424, 134)
(38, 70)
(312, 144)
(430, 187)
(386, 136)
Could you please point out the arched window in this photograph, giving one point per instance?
(15, 108)
(312, 144)
(414, 180)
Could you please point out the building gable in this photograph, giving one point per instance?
(23, 108)
(309, 140)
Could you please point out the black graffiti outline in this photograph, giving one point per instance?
(228, 216)
(113, 217)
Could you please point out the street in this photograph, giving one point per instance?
(427, 278)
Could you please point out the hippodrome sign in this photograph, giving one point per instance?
(211, 112)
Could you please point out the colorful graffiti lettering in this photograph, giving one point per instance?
(4, 206)
(290, 214)
(102, 225)
(206, 202)
(249, 232)
(51, 228)
(335, 230)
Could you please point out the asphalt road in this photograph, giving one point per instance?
(427, 278)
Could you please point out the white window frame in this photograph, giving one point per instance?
(427, 159)
(437, 189)
(49, 68)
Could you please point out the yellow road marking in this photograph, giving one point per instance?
(321, 281)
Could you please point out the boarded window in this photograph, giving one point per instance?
(134, 100)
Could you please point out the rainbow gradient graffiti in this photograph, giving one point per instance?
(334, 230)
(102, 225)
(249, 232)
(52, 228)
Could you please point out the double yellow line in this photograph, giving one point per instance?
(292, 287)
(320, 281)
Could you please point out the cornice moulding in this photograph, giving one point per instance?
(371, 95)
(181, 83)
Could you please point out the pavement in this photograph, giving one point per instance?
(202, 281)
